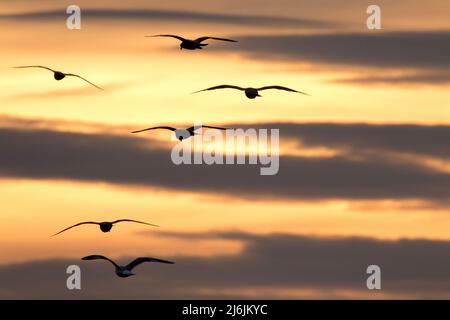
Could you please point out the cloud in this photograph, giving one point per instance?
(424, 56)
(149, 15)
(360, 137)
(377, 50)
(410, 268)
(418, 78)
(82, 91)
(133, 161)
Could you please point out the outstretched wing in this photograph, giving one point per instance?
(223, 86)
(281, 88)
(42, 67)
(162, 127)
(128, 220)
(193, 128)
(140, 260)
(201, 39)
(76, 225)
(99, 257)
(168, 35)
(75, 75)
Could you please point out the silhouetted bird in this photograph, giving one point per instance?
(251, 93)
(192, 44)
(181, 134)
(58, 75)
(125, 271)
(105, 226)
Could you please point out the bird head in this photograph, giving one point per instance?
(181, 47)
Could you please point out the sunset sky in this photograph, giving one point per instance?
(364, 172)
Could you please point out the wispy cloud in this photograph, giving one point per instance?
(383, 50)
(423, 57)
(416, 78)
(54, 94)
(149, 15)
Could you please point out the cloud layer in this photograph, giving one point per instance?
(368, 169)
(419, 57)
(389, 49)
(301, 264)
(149, 15)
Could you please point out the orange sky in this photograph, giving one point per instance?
(148, 82)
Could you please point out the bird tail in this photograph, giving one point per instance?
(203, 44)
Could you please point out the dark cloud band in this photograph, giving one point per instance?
(148, 15)
(133, 161)
(410, 268)
(383, 50)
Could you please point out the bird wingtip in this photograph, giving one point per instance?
(88, 257)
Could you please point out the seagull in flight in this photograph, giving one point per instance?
(192, 44)
(106, 225)
(125, 271)
(251, 93)
(181, 134)
(58, 75)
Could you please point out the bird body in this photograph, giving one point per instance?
(106, 226)
(181, 134)
(126, 271)
(250, 92)
(190, 44)
(59, 75)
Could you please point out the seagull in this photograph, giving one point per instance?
(125, 271)
(181, 134)
(251, 93)
(192, 44)
(105, 226)
(58, 75)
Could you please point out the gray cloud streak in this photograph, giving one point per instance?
(149, 15)
(130, 161)
(383, 50)
(422, 57)
(416, 268)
